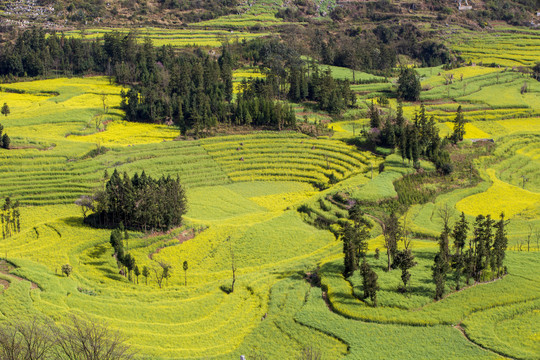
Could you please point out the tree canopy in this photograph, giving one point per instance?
(140, 202)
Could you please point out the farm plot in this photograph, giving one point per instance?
(419, 308)
(501, 47)
(174, 37)
(286, 157)
(242, 194)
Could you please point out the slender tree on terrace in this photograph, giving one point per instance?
(484, 246)
(499, 245)
(441, 265)
(233, 265)
(162, 272)
(408, 85)
(185, 267)
(5, 110)
(145, 273)
(404, 260)
(400, 120)
(137, 272)
(404, 142)
(392, 232)
(459, 234)
(374, 118)
(10, 216)
(354, 237)
(369, 282)
(459, 127)
(6, 141)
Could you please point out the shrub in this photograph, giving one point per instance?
(67, 269)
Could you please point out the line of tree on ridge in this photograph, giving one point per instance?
(483, 260)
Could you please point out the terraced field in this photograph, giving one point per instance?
(174, 37)
(243, 193)
(294, 157)
(501, 46)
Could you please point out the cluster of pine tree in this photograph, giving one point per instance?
(198, 95)
(5, 141)
(10, 216)
(482, 261)
(421, 138)
(331, 95)
(140, 203)
(191, 90)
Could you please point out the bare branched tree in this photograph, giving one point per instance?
(446, 213)
(163, 272)
(11, 343)
(83, 339)
(233, 266)
(25, 339)
(406, 239)
(530, 237)
(78, 340)
(86, 203)
(310, 353)
(537, 235)
(37, 339)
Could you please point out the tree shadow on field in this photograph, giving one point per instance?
(332, 268)
(295, 275)
(98, 251)
(421, 290)
(112, 275)
(424, 255)
(73, 221)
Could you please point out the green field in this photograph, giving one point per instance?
(502, 46)
(258, 195)
(173, 37)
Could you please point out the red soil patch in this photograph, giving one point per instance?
(183, 237)
(5, 269)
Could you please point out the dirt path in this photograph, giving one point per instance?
(5, 269)
(183, 237)
(462, 331)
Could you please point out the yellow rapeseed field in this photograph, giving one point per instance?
(127, 133)
(521, 125)
(471, 131)
(279, 202)
(501, 197)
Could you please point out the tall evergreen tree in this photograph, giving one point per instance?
(459, 127)
(404, 260)
(441, 265)
(393, 233)
(369, 282)
(408, 85)
(6, 141)
(459, 234)
(499, 245)
(354, 239)
(5, 110)
(374, 118)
